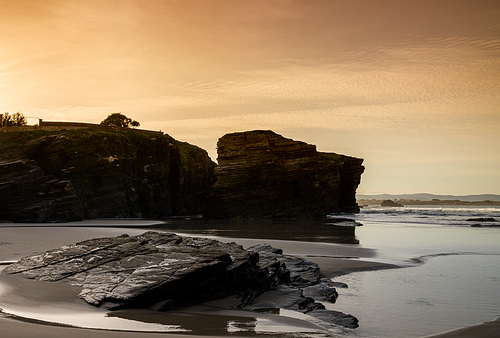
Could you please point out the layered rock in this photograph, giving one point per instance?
(27, 193)
(153, 269)
(303, 293)
(92, 173)
(262, 174)
(164, 271)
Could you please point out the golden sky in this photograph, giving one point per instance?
(413, 87)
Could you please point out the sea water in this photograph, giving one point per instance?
(451, 279)
(446, 293)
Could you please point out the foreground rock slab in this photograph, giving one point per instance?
(153, 269)
(164, 271)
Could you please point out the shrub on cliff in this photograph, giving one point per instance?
(119, 120)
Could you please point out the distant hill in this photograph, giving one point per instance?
(429, 197)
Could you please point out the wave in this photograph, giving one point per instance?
(425, 258)
(451, 216)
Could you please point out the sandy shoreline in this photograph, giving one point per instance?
(484, 330)
(18, 242)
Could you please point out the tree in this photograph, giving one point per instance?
(119, 120)
(16, 119)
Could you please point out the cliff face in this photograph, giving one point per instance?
(92, 173)
(262, 174)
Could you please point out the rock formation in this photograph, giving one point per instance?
(303, 291)
(262, 174)
(164, 271)
(104, 173)
(390, 203)
(92, 173)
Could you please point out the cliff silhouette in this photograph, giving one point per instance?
(87, 173)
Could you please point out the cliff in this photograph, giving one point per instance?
(93, 173)
(263, 174)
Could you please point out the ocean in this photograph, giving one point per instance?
(451, 277)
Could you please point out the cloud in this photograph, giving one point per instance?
(410, 87)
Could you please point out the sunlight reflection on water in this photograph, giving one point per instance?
(94, 320)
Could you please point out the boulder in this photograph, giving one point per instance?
(263, 174)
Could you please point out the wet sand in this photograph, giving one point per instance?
(13, 328)
(22, 295)
(485, 330)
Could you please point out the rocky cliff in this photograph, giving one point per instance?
(92, 173)
(263, 174)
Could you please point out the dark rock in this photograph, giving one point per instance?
(338, 285)
(336, 318)
(342, 222)
(482, 219)
(165, 271)
(93, 173)
(390, 203)
(340, 219)
(292, 298)
(28, 194)
(324, 291)
(153, 269)
(302, 292)
(262, 174)
(302, 272)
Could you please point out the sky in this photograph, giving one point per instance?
(412, 87)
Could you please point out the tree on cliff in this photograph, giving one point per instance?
(16, 119)
(119, 120)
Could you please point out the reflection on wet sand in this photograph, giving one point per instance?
(292, 230)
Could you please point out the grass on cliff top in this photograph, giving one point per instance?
(17, 138)
(104, 132)
(332, 156)
(185, 148)
(85, 133)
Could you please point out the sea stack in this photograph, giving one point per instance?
(263, 174)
